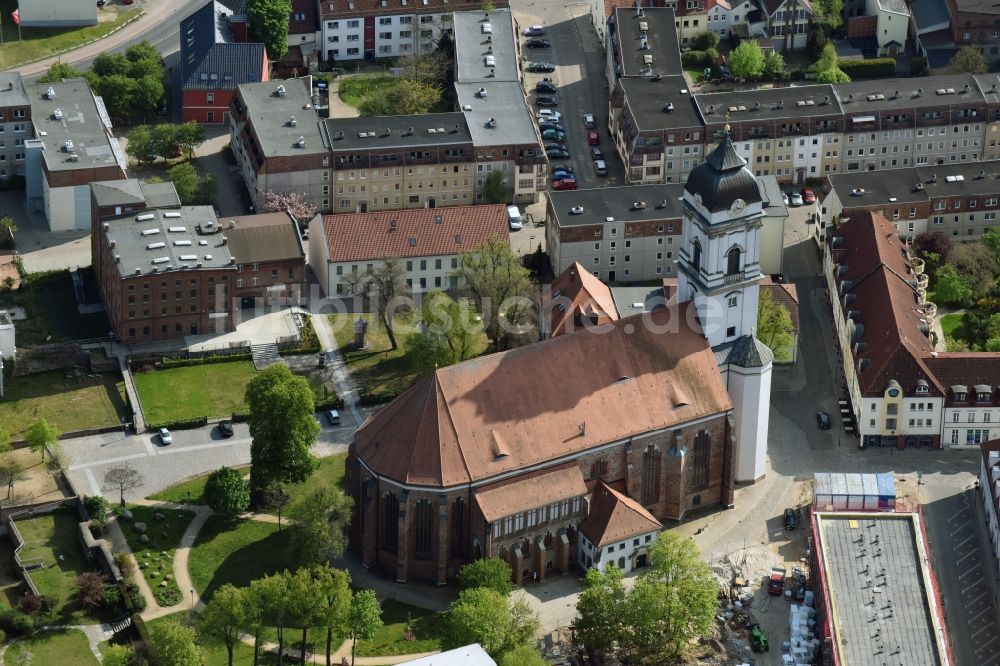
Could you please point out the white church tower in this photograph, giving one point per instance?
(719, 269)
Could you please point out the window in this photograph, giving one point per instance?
(699, 463)
(696, 255)
(733, 301)
(423, 518)
(650, 475)
(390, 536)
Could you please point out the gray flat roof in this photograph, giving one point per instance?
(661, 40)
(630, 300)
(876, 615)
(775, 103)
(937, 181)
(929, 13)
(115, 192)
(616, 202)
(398, 131)
(647, 99)
(897, 6)
(770, 191)
(473, 46)
(12, 90)
(937, 91)
(168, 241)
(504, 102)
(270, 114)
(160, 195)
(84, 122)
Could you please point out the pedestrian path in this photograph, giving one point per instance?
(345, 387)
(95, 633)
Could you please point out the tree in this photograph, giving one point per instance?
(110, 64)
(932, 248)
(364, 619)
(491, 573)
(118, 91)
(90, 589)
(827, 67)
(59, 71)
(747, 61)
(404, 97)
(332, 597)
(303, 608)
(601, 611)
(275, 603)
(7, 230)
(706, 40)
(495, 188)
(774, 323)
(485, 616)
(386, 285)
(141, 146)
(968, 60)
(524, 655)
(225, 616)
(173, 644)
(449, 333)
(189, 136)
(148, 92)
(185, 179)
(41, 435)
(269, 24)
(12, 470)
(774, 65)
(123, 477)
(164, 140)
(226, 492)
(501, 289)
(144, 60)
(977, 264)
(832, 11)
(833, 75)
(253, 622)
(207, 189)
(292, 202)
(320, 533)
(117, 655)
(991, 239)
(282, 426)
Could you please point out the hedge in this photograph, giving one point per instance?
(182, 424)
(869, 69)
(241, 417)
(694, 59)
(204, 360)
(366, 398)
(309, 343)
(334, 402)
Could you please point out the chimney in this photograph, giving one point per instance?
(118, 258)
(225, 240)
(583, 428)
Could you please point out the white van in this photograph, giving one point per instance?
(514, 218)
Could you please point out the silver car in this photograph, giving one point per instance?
(165, 437)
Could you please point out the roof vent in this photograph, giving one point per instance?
(50, 93)
(491, 123)
(850, 98)
(669, 107)
(73, 158)
(662, 204)
(301, 143)
(57, 114)
(392, 224)
(280, 91)
(438, 219)
(826, 100)
(711, 108)
(225, 240)
(756, 106)
(292, 122)
(919, 187)
(481, 93)
(781, 103)
(69, 147)
(118, 258)
(933, 178)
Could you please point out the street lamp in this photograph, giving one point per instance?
(192, 598)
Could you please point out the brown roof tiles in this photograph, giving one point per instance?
(530, 491)
(576, 295)
(262, 238)
(614, 516)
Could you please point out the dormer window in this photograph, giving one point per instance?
(922, 387)
(982, 397)
(959, 392)
(984, 393)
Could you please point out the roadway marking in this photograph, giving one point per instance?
(92, 480)
(966, 555)
(972, 570)
(147, 442)
(160, 452)
(959, 544)
(108, 461)
(983, 647)
(961, 527)
(975, 600)
(976, 584)
(981, 631)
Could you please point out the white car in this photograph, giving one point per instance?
(784, 197)
(796, 199)
(165, 437)
(549, 115)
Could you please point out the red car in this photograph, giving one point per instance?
(564, 184)
(593, 139)
(807, 196)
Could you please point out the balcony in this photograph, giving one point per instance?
(930, 310)
(733, 278)
(917, 264)
(922, 281)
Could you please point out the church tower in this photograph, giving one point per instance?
(718, 264)
(718, 268)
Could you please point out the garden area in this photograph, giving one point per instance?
(190, 491)
(65, 648)
(354, 88)
(236, 551)
(69, 400)
(425, 626)
(153, 534)
(49, 303)
(193, 391)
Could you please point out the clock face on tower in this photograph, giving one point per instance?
(738, 207)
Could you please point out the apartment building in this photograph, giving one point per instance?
(345, 248)
(279, 142)
(643, 43)
(350, 30)
(74, 148)
(975, 23)
(721, 14)
(788, 21)
(959, 200)
(989, 496)
(886, 22)
(15, 124)
(691, 19)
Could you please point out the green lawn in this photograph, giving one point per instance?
(329, 473)
(48, 538)
(353, 88)
(237, 551)
(190, 491)
(156, 558)
(10, 582)
(49, 304)
(951, 325)
(214, 389)
(65, 400)
(37, 43)
(66, 648)
(427, 627)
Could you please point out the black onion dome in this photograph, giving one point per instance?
(722, 179)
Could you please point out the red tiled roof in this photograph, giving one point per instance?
(577, 295)
(503, 412)
(331, 9)
(530, 491)
(614, 516)
(413, 233)
(307, 24)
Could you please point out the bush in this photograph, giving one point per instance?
(240, 417)
(136, 600)
(124, 563)
(918, 65)
(868, 69)
(141, 628)
(90, 589)
(181, 424)
(112, 596)
(694, 59)
(167, 596)
(96, 506)
(309, 344)
(226, 492)
(365, 397)
(706, 40)
(30, 604)
(204, 360)
(333, 402)
(15, 623)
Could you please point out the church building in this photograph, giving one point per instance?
(572, 451)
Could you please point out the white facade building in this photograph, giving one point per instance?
(989, 491)
(7, 342)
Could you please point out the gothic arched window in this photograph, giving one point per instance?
(391, 524)
(699, 462)
(458, 527)
(650, 475)
(733, 261)
(423, 518)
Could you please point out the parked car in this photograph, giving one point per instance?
(165, 437)
(564, 184)
(333, 416)
(563, 172)
(549, 115)
(545, 88)
(600, 168)
(596, 153)
(784, 197)
(557, 153)
(593, 139)
(588, 121)
(538, 43)
(541, 67)
(796, 199)
(791, 518)
(554, 145)
(547, 100)
(823, 419)
(534, 31)
(226, 428)
(807, 196)
(554, 134)
(545, 125)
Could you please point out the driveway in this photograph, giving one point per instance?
(214, 157)
(42, 250)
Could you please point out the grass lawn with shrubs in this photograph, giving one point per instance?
(329, 473)
(63, 647)
(427, 629)
(156, 558)
(190, 392)
(191, 491)
(68, 400)
(237, 551)
(213, 653)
